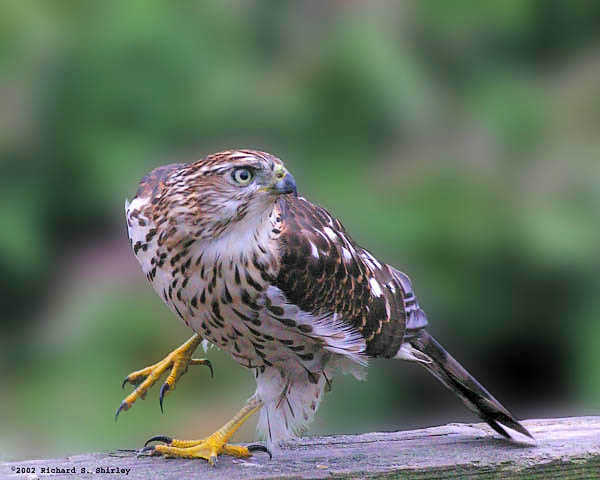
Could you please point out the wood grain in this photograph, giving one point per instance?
(567, 448)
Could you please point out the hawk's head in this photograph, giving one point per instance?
(225, 191)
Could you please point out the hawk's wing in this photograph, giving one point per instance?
(323, 271)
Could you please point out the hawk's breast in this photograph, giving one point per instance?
(225, 290)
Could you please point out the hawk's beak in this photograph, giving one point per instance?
(286, 185)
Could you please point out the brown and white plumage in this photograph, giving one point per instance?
(278, 283)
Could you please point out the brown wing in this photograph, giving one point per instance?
(324, 271)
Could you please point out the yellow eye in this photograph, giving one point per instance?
(243, 176)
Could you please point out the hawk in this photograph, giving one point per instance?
(277, 282)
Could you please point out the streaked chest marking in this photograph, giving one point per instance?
(224, 290)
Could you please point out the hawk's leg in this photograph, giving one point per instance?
(211, 447)
(178, 361)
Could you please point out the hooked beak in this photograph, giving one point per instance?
(285, 185)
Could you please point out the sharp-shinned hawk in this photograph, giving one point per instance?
(277, 282)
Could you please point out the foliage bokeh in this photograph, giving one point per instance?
(458, 141)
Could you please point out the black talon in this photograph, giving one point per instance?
(163, 390)
(146, 449)
(122, 407)
(260, 448)
(208, 364)
(125, 382)
(158, 438)
(212, 373)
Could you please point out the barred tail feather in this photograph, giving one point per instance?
(477, 399)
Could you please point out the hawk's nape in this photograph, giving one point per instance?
(278, 283)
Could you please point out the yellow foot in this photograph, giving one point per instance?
(178, 361)
(209, 448)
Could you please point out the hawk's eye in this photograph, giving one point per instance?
(243, 176)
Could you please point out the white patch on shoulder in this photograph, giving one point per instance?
(375, 288)
(346, 253)
(330, 233)
(370, 259)
(313, 249)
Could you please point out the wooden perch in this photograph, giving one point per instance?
(568, 448)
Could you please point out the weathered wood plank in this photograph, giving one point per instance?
(568, 448)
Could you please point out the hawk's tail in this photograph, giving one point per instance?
(451, 373)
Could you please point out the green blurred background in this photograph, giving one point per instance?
(459, 141)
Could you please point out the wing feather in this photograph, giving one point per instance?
(324, 272)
